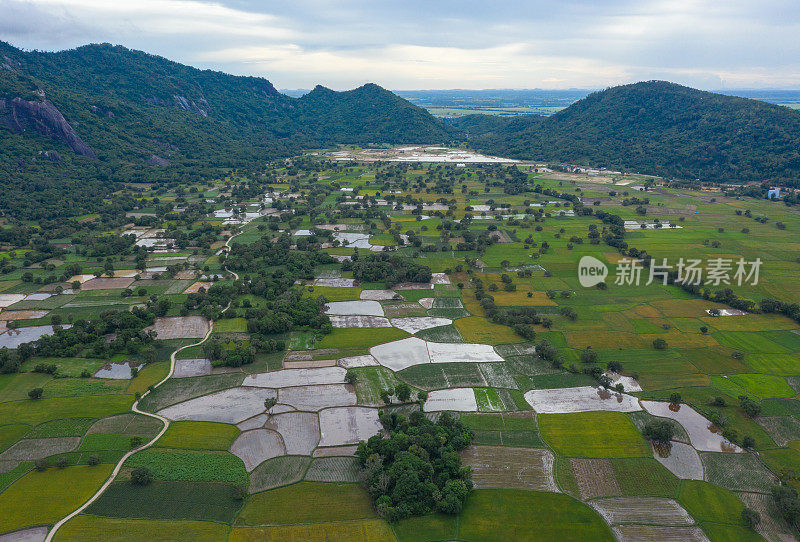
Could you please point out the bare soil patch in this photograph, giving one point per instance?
(646, 510)
(107, 283)
(22, 315)
(314, 398)
(348, 425)
(256, 446)
(38, 448)
(502, 466)
(300, 431)
(595, 477)
(194, 288)
(333, 469)
(655, 533)
(180, 327)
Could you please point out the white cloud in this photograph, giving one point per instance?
(444, 44)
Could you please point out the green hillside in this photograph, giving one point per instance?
(655, 127)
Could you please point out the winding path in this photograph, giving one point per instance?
(135, 408)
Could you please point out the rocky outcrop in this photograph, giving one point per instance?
(156, 161)
(44, 118)
(192, 107)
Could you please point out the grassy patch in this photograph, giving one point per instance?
(764, 386)
(427, 528)
(593, 434)
(100, 529)
(14, 387)
(333, 293)
(707, 502)
(479, 330)
(512, 514)
(360, 338)
(9, 434)
(186, 500)
(45, 497)
(199, 436)
(191, 466)
(644, 476)
(308, 502)
(151, 374)
(42, 410)
(750, 341)
(368, 530)
(68, 427)
(230, 325)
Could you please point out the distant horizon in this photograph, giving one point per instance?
(564, 89)
(305, 89)
(547, 44)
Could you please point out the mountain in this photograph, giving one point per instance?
(110, 113)
(654, 127)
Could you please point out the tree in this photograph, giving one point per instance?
(41, 464)
(750, 407)
(269, 403)
(787, 502)
(62, 462)
(350, 377)
(750, 517)
(386, 397)
(141, 476)
(93, 460)
(675, 398)
(422, 396)
(589, 355)
(660, 344)
(703, 330)
(136, 442)
(660, 431)
(417, 469)
(403, 392)
(36, 393)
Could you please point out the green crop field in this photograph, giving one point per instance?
(100, 529)
(307, 502)
(593, 434)
(508, 514)
(199, 436)
(70, 487)
(508, 280)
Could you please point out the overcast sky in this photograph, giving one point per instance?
(439, 44)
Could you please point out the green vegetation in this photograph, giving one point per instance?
(70, 487)
(592, 131)
(100, 529)
(511, 514)
(187, 500)
(417, 469)
(191, 466)
(307, 502)
(199, 436)
(593, 434)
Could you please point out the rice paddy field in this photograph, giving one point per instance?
(242, 385)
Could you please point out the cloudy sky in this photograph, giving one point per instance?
(416, 44)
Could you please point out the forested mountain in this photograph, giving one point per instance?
(111, 113)
(655, 127)
(72, 123)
